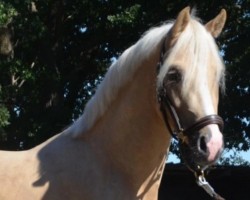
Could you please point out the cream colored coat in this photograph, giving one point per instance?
(121, 154)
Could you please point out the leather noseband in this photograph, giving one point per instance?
(178, 131)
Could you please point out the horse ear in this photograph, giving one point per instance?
(181, 22)
(216, 25)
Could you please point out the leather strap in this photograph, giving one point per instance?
(178, 131)
(207, 120)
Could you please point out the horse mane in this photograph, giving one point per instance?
(118, 74)
(122, 71)
(198, 44)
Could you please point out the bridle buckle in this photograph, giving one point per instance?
(202, 182)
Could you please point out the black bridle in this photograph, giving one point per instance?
(179, 132)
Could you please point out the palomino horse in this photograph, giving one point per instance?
(167, 82)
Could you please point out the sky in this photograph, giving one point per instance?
(244, 154)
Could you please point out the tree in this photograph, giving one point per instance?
(63, 48)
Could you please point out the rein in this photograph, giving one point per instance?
(180, 133)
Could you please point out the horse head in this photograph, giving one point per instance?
(191, 73)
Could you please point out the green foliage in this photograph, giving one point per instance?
(4, 113)
(235, 104)
(4, 116)
(6, 13)
(128, 16)
(63, 48)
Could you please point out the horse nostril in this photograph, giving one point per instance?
(202, 145)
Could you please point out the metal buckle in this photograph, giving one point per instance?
(202, 182)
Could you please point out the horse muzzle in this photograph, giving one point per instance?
(202, 148)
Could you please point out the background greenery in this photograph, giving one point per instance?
(60, 50)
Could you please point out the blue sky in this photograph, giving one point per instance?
(244, 154)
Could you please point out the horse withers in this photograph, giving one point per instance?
(167, 83)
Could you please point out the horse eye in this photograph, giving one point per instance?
(174, 75)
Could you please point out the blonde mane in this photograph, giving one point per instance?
(118, 74)
(198, 46)
(124, 68)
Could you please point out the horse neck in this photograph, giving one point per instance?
(132, 132)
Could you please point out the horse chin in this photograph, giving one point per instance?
(193, 158)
